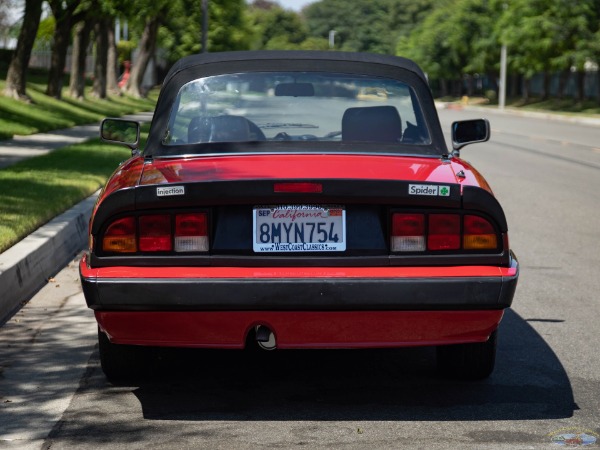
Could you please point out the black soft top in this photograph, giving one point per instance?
(299, 55)
(210, 64)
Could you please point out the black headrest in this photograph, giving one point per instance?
(218, 129)
(372, 124)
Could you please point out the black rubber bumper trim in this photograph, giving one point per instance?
(318, 294)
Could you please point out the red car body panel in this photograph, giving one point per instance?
(292, 166)
(300, 329)
(293, 272)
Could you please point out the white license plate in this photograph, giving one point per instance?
(299, 228)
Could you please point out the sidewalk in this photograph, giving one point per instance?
(26, 267)
(23, 147)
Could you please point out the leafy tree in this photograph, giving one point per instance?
(431, 46)
(592, 47)
(147, 47)
(112, 61)
(101, 27)
(544, 36)
(16, 76)
(81, 41)
(275, 27)
(4, 8)
(365, 25)
(45, 33)
(228, 28)
(64, 15)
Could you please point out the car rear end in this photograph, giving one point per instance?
(241, 224)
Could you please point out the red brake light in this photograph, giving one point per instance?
(304, 188)
(408, 232)
(444, 232)
(479, 234)
(120, 236)
(191, 232)
(155, 233)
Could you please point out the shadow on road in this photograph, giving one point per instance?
(400, 384)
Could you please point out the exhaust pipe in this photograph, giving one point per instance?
(265, 338)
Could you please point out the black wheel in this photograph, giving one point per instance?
(468, 361)
(122, 362)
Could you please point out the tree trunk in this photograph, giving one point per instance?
(581, 85)
(526, 86)
(514, 85)
(546, 88)
(62, 33)
(100, 65)
(16, 81)
(563, 78)
(443, 87)
(598, 86)
(146, 52)
(112, 61)
(493, 82)
(81, 42)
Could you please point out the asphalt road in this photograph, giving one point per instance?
(546, 175)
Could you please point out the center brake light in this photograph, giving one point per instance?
(417, 232)
(158, 233)
(298, 188)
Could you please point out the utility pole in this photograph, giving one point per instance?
(502, 93)
(204, 26)
(502, 96)
(331, 39)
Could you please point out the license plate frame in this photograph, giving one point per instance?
(298, 228)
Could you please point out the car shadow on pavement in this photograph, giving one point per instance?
(396, 384)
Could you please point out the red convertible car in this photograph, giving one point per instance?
(298, 200)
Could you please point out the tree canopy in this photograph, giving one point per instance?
(453, 40)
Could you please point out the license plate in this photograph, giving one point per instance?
(299, 228)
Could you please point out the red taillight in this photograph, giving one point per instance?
(413, 232)
(155, 233)
(408, 232)
(479, 234)
(304, 188)
(444, 232)
(191, 232)
(120, 236)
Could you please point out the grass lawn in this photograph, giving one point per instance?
(36, 190)
(47, 113)
(567, 106)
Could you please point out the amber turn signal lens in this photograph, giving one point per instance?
(479, 234)
(120, 236)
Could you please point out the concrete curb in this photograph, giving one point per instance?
(26, 267)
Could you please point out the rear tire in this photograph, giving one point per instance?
(121, 362)
(468, 361)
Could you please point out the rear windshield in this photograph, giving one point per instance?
(296, 106)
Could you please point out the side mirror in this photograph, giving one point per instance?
(467, 132)
(120, 131)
